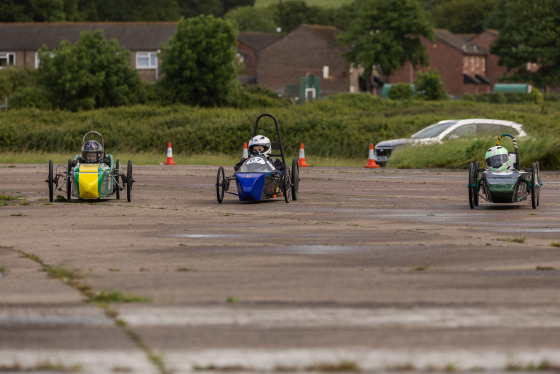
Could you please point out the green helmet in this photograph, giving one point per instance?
(497, 158)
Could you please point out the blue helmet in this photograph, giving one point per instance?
(92, 152)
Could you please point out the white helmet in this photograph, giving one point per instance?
(260, 140)
(497, 158)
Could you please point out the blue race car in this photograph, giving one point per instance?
(258, 177)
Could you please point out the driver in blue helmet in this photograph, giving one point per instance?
(260, 145)
(92, 152)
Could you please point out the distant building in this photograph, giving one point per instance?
(21, 41)
(461, 64)
(309, 57)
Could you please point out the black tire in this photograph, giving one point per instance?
(287, 186)
(50, 181)
(534, 181)
(295, 179)
(129, 181)
(69, 181)
(220, 184)
(538, 178)
(117, 176)
(476, 188)
(470, 186)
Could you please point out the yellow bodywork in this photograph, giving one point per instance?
(89, 181)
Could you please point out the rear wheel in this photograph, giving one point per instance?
(470, 186)
(295, 179)
(220, 184)
(50, 181)
(129, 181)
(287, 186)
(117, 176)
(476, 188)
(534, 187)
(69, 181)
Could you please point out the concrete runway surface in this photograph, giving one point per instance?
(370, 270)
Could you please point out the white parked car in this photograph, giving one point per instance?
(449, 129)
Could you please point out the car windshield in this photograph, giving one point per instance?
(257, 164)
(433, 130)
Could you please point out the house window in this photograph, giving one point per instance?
(146, 60)
(466, 62)
(477, 62)
(7, 59)
(472, 63)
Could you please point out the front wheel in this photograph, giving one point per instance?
(129, 181)
(470, 186)
(50, 181)
(220, 184)
(295, 179)
(69, 181)
(117, 176)
(287, 186)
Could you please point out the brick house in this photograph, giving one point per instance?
(248, 46)
(461, 63)
(21, 41)
(493, 71)
(308, 51)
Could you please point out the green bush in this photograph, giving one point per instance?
(430, 86)
(536, 96)
(340, 126)
(400, 91)
(469, 97)
(30, 97)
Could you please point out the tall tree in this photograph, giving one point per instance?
(198, 63)
(290, 14)
(531, 35)
(32, 11)
(232, 4)
(385, 34)
(193, 8)
(92, 73)
(462, 16)
(249, 18)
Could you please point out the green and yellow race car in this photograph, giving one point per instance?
(92, 174)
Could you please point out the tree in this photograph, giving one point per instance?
(430, 86)
(32, 11)
(194, 8)
(462, 16)
(290, 14)
(249, 18)
(92, 73)
(232, 4)
(385, 34)
(198, 63)
(530, 35)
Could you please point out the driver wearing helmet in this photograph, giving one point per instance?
(260, 145)
(92, 152)
(497, 159)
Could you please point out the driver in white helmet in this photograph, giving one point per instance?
(260, 145)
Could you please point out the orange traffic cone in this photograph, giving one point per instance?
(371, 161)
(245, 151)
(301, 161)
(169, 156)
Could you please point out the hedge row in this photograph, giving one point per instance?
(339, 126)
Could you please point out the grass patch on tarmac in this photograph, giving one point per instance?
(42, 366)
(116, 297)
(342, 366)
(512, 240)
